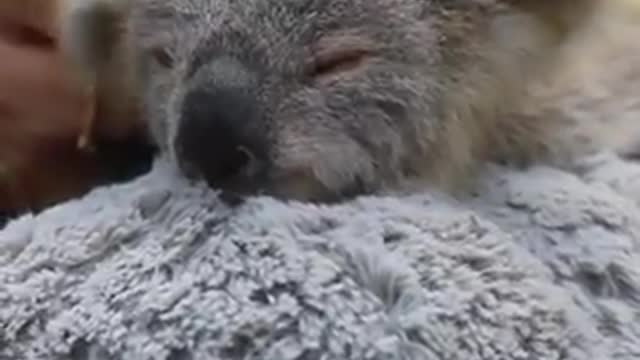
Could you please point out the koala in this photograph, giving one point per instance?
(321, 101)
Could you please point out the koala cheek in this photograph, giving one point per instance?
(323, 169)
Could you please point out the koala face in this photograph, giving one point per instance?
(321, 100)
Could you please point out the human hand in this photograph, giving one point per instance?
(43, 112)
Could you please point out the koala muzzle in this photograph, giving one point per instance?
(218, 136)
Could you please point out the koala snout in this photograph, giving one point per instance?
(218, 136)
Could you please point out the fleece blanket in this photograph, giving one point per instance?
(538, 264)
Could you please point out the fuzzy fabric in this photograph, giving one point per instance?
(541, 264)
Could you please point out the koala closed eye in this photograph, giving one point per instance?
(336, 55)
(336, 61)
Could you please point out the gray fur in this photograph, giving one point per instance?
(542, 265)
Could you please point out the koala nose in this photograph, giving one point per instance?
(218, 135)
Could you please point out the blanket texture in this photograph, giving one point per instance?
(541, 264)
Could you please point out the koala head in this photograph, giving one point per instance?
(319, 100)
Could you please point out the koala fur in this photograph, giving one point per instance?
(323, 100)
(591, 94)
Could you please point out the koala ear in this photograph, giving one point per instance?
(560, 16)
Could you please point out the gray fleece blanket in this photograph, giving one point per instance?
(541, 264)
